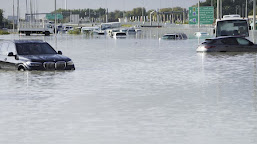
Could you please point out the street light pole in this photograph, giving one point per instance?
(198, 15)
(254, 14)
(55, 25)
(13, 17)
(218, 9)
(246, 14)
(65, 4)
(18, 15)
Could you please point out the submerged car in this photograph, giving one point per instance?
(176, 36)
(227, 44)
(32, 55)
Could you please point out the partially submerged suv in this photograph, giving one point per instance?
(227, 44)
(176, 36)
(32, 55)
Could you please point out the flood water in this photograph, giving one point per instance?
(132, 91)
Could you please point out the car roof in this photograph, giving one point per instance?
(173, 33)
(23, 41)
(225, 37)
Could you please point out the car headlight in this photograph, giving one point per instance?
(33, 63)
(69, 63)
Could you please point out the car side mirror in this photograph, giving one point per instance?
(59, 52)
(10, 54)
(213, 31)
(250, 28)
(251, 44)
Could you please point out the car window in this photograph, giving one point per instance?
(34, 49)
(180, 36)
(168, 37)
(184, 36)
(4, 49)
(0, 48)
(242, 41)
(11, 48)
(229, 41)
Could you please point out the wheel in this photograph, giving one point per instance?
(27, 34)
(47, 33)
(21, 68)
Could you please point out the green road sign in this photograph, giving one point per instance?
(206, 15)
(52, 16)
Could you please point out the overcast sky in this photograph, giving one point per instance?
(48, 5)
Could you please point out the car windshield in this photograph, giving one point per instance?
(232, 27)
(168, 37)
(34, 49)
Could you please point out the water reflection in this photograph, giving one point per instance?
(228, 69)
(149, 90)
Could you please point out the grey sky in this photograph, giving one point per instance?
(48, 5)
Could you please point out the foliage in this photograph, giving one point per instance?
(230, 6)
(75, 32)
(113, 16)
(92, 13)
(136, 12)
(126, 25)
(4, 32)
(1, 16)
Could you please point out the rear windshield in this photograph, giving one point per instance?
(209, 41)
(34, 49)
(169, 37)
(120, 34)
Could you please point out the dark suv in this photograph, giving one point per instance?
(32, 55)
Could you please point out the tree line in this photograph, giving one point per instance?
(229, 7)
(112, 16)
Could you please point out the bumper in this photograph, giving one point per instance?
(201, 48)
(42, 68)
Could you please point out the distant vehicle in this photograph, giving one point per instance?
(138, 30)
(111, 25)
(99, 32)
(111, 31)
(176, 36)
(201, 34)
(131, 31)
(227, 44)
(232, 25)
(119, 35)
(36, 28)
(86, 30)
(67, 28)
(124, 30)
(29, 55)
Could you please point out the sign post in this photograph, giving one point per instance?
(206, 15)
(52, 16)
